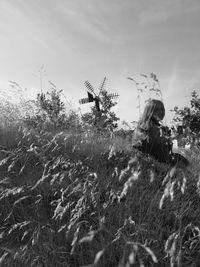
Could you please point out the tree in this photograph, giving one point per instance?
(187, 120)
(51, 104)
(105, 119)
(51, 113)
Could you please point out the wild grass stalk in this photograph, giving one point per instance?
(86, 199)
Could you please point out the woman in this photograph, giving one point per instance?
(152, 138)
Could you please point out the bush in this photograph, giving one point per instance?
(188, 121)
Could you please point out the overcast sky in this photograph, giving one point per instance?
(79, 40)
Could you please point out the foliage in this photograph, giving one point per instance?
(14, 106)
(107, 120)
(51, 112)
(188, 121)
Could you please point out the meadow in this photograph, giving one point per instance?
(80, 198)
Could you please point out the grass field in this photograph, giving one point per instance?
(84, 199)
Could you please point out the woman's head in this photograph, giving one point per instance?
(155, 110)
(159, 110)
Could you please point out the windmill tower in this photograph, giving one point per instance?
(96, 98)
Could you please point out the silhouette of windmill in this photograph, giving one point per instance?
(97, 98)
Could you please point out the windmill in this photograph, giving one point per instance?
(96, 98)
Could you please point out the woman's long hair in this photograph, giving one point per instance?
(151, 108)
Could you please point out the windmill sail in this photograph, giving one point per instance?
(111, 96)
(89, 87)
(84, 101)
(102, 85)
(90, 97)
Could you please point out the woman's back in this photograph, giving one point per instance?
(150, 137)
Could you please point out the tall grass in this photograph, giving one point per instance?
(86, 199)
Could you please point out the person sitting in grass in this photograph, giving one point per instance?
(152, 138)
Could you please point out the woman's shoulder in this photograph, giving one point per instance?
(139, 134)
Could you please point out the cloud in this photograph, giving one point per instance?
(160, 10)
(92, 29)
(179, 84)
(85, 19)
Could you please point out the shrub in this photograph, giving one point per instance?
(188, 121)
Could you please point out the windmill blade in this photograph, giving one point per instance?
(84, 101)
(112, 96)
(90, 97)
(89, 87)
(102, 86)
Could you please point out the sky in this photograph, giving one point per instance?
(70, 41)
